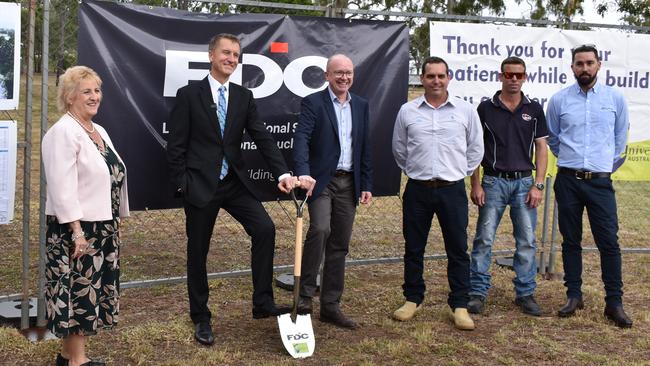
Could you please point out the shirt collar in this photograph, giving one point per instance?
(595, 88)
(451, 100)
(334, 98)
(496, 101)
(215, 85)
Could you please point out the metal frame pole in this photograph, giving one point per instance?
(547, 203)
(27, 167)
(552, 254)
(45, 73)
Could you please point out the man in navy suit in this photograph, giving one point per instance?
(207, 170)
(332, 161)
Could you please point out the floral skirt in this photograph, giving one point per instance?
(82, 295)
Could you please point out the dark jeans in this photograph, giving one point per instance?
(597, 195)
(449, 203)
(232, 196)
(331, 215)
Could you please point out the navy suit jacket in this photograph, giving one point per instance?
(316, 145)
(195, 147)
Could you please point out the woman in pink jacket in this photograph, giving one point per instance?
(86, 196)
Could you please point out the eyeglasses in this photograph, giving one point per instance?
(340, 74)
(517, 75)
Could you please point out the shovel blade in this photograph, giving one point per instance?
(298, 338)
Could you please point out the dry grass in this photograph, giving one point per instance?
(155, 329)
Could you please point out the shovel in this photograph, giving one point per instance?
(295, 329)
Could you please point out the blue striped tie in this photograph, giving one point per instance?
(221, 115)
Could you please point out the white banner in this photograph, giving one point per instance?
(8, 144)
(474, 53)
(9, 55)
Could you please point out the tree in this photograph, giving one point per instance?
(635, 12)
(560, 10)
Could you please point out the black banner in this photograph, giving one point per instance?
(144, 54)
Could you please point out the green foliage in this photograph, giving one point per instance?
(64, 23)
(256, 9)
(635, 12)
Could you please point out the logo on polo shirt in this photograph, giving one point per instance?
(526, 117)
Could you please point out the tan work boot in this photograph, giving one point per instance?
(461, 319)
(407, 311)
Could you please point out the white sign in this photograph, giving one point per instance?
(8, 140)
(474, 53)
(9, 55)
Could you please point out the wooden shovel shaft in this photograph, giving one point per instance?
(298, 251)
(297, 264)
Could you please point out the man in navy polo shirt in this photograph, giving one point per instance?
(588, 123)
(513, 128)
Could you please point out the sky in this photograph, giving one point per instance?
(590, 15)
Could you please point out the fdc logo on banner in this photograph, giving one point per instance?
(143, 64)
(179, 71)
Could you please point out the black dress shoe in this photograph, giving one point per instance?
(261, 312)
(528, 305)
(305, 305)
(570, 307)
(203, 333)
(476, 304)
(618, 316)
(337, 318)
(61, 361)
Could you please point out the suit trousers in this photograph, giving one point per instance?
(331, 216)
(449, 203)
(597, 195)
(232, 196)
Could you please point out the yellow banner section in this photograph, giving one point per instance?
(635, 168)
(637, 162)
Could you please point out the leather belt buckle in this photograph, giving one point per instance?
(583, 175)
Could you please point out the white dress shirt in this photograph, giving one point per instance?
(343, 113)
(438, 143)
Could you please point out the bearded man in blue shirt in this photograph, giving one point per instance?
(588, 124)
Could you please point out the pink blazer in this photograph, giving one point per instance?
(78, 181)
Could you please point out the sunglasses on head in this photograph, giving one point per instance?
(518, 75)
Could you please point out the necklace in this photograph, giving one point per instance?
(81, 124)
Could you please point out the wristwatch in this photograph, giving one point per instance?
(539, 186)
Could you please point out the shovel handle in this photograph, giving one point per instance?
(298, 248)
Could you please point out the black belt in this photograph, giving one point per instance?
(581, 174)
(434, 183)
(342, 173)
(507, 175)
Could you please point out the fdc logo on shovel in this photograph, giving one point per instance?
(296, 329)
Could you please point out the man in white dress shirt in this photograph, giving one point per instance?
(437, 142)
